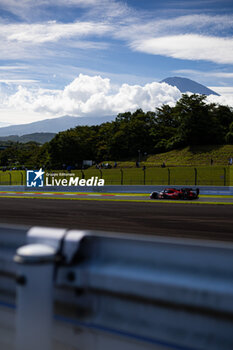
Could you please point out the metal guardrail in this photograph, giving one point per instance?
(168, 176)
(113, 291)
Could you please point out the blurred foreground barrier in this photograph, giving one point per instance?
(90, 290)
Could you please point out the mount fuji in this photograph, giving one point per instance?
(188, 85)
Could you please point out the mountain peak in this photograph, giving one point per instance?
(188, 85)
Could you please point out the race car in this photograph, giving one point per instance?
(175, 193)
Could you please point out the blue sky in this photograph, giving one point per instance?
(88, 57)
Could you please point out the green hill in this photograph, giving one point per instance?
(188, 156)
(195, 155)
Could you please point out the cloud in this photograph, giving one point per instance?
(25, 8)
(194, 24)
(9, 68)
(226, 100)
(18, 81)
(83, 87)
(189, 46)
(92, 96)
(31, 37)
(193, 37)
(50, 31)
(28, 10)
(196, 73)
(51, 39)
(225, 91)
(153, 35)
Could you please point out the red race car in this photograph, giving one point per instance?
(175, 193)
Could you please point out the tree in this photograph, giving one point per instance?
(73, 146)
(229, 135)
(164, 128)
(192, 121)
(197, 123)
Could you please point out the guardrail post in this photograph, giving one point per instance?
(195, 176)
(122, 177)
(10, 178)
(169, 176)
(34, 297)
(144, 175)
(21, 178)
(225, 176)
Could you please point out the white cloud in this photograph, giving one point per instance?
(25, 8)
(51, 39)
(7, 68)
(28, 9)
(50, 31)
(226, 100)
(206, 74)
(18, 81)
(85, 86)
(224, 91)
(87, 44)
(189, 46)
(88, 95)
(191, 35)
(194, 24)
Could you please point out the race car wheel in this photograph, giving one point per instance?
(154, 195)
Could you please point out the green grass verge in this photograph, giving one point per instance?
(195, 156)
(188, 156)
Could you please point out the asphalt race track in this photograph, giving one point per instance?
(195, 220)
